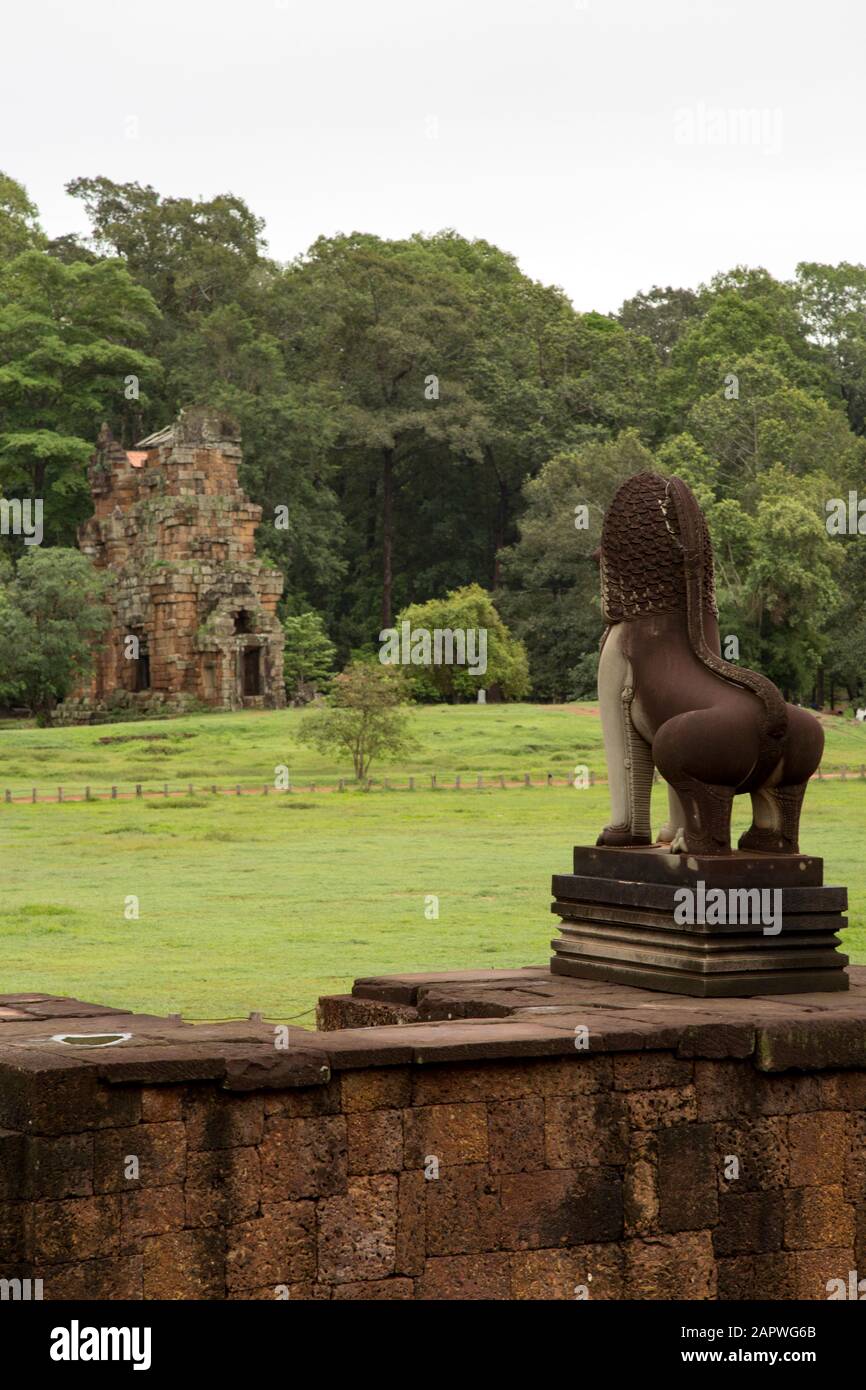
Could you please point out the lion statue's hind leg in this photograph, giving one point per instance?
(704, 755)
(776, 806)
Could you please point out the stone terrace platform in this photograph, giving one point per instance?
(452, 1016)
(304, 1170)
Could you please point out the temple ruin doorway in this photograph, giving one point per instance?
(251, 672)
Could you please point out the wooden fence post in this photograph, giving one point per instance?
(86, 793)
(114, 793)
(411, 784)
(33, 795)
(502, 781)
(59, 793)
(433, 782)
(526, 781)
(138, 789)
(457, 782)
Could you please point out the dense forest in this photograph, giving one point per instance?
(434, 419)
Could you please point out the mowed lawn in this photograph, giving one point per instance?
(263, 903)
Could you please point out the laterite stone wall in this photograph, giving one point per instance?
(633, 1173)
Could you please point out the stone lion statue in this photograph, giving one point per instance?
(668, 700)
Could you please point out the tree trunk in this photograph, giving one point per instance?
(387, 533)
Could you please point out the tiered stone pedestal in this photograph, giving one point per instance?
(619, 923)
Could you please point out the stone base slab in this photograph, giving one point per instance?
(621, 914)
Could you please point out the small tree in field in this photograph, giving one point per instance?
(51, 617)
(364, 716)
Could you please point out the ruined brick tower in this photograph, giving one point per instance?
(177, 533)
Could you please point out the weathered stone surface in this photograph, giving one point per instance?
(670, 1266)
(77, 1229)
(151, 1211)
(158, 1150)
(749, 1222)
(541, 1210)
(646, 1071)
(585, 1130)
(466, 1277)
(464, 1214)
(375, 1290)
(629, 1174)
(818, 1217)
(411, 1243)
(222, 1186)
(304, 1158)
(757, 1277)
(358, 1231)
(378, 1089)
(516, 1135)
(375, 1142)
(818, 1146)
(279, 1247)
(583, 1272)
(215, 1121)
(185, 1264)
(687, 1182)
(450, 1133)
(756, 1154)
(99, 1280)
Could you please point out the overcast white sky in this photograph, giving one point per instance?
(599, 141)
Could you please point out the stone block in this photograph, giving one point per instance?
(451, 1133)
(159, 1150)
(79, 1228)
(515, 1131)
(583, 1272)
(750, 1223)
(551, 1209)
(375, 1141)
(580, 1131)
(303, 1158)
(817, 1218)
(216, 1121)
(380, 1088)
(185, 1265)
(670, 1267)
(223, 1186)
(358, 1231)
(687, 1177)
(278, 1247)
(463, 1214)
(466, 1278)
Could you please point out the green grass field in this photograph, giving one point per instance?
(266, 902)
(226, 748)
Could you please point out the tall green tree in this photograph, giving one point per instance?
(550, 593)
(69, 344)
(51, 617)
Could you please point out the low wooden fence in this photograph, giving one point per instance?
(410, 783)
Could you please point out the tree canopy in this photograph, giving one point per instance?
(421, 418)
